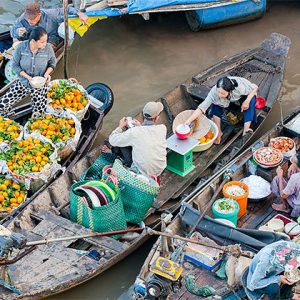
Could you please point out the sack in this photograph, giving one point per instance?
(137, 195)
(110, 217)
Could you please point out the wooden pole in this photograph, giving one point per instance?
(234, 248)
(75, 237)
(66, 42)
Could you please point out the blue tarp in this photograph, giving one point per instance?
(137, 5)
(140, 5)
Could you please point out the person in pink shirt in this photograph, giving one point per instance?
(288, 189)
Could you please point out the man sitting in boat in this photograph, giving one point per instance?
(31, 58)
(227, 90)
(46, 18)
(288, 189)
(271, 272)
(142, 147)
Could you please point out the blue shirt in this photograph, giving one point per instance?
(267, 265)
(50, 20)
(33, 64)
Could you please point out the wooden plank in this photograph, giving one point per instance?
(225, 65)
(97, 6)
(44, 228)
(79, 229)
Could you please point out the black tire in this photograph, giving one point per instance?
(192, 20)
(103, 93)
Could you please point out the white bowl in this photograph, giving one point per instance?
(265, 228)
(38, 82)
(205, 146)
(276, 225)
(226, 222)
(292, 228)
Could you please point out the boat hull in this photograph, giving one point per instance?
(223, 15)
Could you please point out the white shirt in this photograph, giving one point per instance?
(149, 147)
(244, 88)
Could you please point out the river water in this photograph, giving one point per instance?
(141, 60)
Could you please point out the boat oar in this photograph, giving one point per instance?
(75, 237)
(233, 249)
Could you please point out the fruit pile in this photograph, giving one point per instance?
(9, 130)
(12, 194)
(27, 156)
(53, 128)
(207, 138)
(66, 95)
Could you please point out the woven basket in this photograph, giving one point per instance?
(137, 195)
(110, 217)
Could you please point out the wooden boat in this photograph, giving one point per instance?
(258, 213)
(54, 268)
(91, 125)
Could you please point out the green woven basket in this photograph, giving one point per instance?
(95, 170)
(137, 195)
(110, 217)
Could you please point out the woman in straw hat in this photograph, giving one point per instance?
(227, 90)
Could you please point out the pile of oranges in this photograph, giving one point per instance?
(207, 138)
(9, 130)
(67, 96)
(12, 194)
(27, 156)
(53, 128)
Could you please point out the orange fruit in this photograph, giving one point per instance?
(202, 140)
(35, 169)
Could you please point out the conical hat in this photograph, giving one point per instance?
(203, 124)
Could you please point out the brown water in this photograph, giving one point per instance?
(142, 60)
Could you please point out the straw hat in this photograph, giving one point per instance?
(203, 125)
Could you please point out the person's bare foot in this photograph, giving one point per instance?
(280, 207)
(217, 141)
(296, 297)
(105, 149)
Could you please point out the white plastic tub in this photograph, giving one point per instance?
(205, 146)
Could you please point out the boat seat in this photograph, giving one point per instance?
(198, 91)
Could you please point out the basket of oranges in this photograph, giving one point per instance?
(12, 194)
(32, 160)
(9, 130)
(63, 132)
(67, 95)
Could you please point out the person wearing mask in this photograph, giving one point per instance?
(288, 190)
(49, 19)
(268, 272)
(227, 90)
(34, 57)
(144, 144)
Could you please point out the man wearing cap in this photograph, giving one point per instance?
(288, 190)
(49, 19)
(148, 141)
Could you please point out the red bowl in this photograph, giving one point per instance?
(182, 131)
(182, 136)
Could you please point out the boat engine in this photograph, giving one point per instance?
(9, 240)
(166, 278)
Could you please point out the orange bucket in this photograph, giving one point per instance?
(241, 200)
